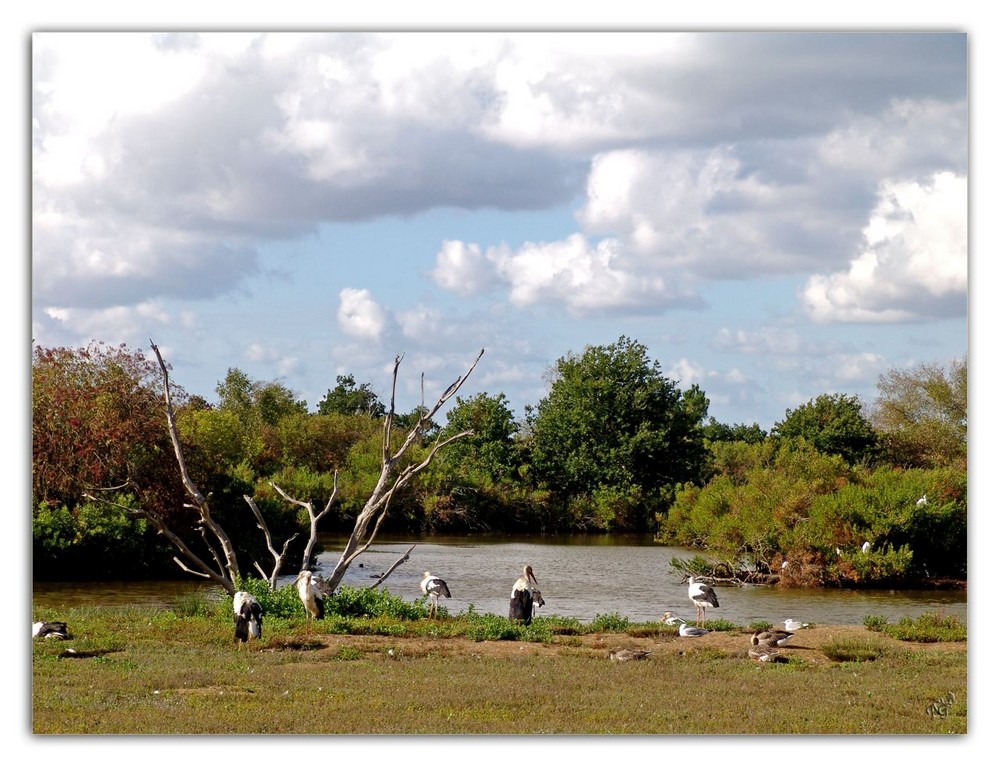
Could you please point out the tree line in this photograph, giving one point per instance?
(615, 445)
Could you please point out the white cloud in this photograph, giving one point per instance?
(359, 315)
(914, 265)
(461, 268)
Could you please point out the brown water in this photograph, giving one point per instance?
(579, 576)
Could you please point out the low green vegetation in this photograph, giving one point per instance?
(927, 627)
(150, 671)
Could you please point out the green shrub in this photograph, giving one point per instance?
(493, 627)
(613, 623)
(927, 627)
(853, 650)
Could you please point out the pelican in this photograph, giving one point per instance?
(435, 588)
(670, 619)
(311, 593)
(623, 655)
(691, 631)
(791, 625)
(702, 596)
(50, 630)
(248, 618)
(521, 598)
(771, 638)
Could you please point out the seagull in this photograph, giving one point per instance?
(520, 597)
(623, 655)
(50, 630)
(435, 588)
(691, 631)
(670, 619)
(791, 625)
(703, 596)
(771, 638)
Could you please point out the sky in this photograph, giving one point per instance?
(773, 215)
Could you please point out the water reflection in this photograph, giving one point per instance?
(580, 577)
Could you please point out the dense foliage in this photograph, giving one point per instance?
(614, 446)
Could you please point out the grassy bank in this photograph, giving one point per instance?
(164, 672)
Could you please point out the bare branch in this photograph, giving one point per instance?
(388, 572)
(279, 557)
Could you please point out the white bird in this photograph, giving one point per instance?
(435, 588)
(670, 619)
(771, 638)
(50, 630)
(691, 631)
(922, 500)
(521, 600)
(311, 593)
(702, 596)
(248, 618)
(791, 625)
(866, 547)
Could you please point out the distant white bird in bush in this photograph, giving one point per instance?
(702, 595)
(435, 588)
(50, 630)
(791, 625)
(691, 631)
(248, 618)
(866, 547)
(311, 594)
(922, 500)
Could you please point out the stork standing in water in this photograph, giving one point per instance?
(521, 600)
(311, 593)
(702, 596)
(248, 618)
(435, 588)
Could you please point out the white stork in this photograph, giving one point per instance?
(520, 597)
(771, 638)
(435, 588)
(248, 618)
(702, 595)
(685, 630)
(311, 592)
(50, 630)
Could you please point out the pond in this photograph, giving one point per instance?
(580, 577)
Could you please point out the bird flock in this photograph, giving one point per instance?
(525, 599)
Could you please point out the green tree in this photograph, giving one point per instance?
(350, 399)
(715, 431)
(611, 420)
(834, 424)
(922, 415)
(490, 450)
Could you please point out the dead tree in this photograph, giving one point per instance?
(393, 474)
(224, 568)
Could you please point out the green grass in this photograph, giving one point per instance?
(147, 671)
(928, 627)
